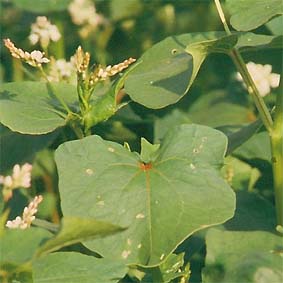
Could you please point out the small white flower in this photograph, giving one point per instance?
(262, 77)
(27, 217)
(38, 57)
(43, 31)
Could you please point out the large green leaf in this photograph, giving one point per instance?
(243, 257)
(166, 70)
(250, 14)
(70, 267)
(162, 202)
(32, 108)
(75, 230)
(42, 6)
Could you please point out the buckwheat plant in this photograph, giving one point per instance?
(208, 186)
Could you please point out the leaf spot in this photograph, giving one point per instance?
(125, 254)
(204, 139)
(139, 246)
(89, 171)
(156, 202)
(195, 150)
(151, 82)
(193, 167)
(111, 149)
(101, 203)
(162, 256)
(98, 197)
(174, 51)
(129, 242)
(140, 216)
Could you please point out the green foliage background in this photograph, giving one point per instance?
(244, 249)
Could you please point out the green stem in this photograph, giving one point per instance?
(252, 90)
(242, 68)
(46, 225)
(77, 130)
(222, 16)
(277, 158)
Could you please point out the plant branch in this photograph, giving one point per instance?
(242, 68)
(252, 90)
(277, 157)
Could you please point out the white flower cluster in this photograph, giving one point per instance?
(62, 70)
(35, 58)
(83, 13)
(43, 31)
(109, 71)
(27, 217)
(262, 77)
(21, 178)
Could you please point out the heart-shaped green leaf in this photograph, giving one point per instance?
(162, 202)
(167, 70)
(32, 108)
(71, 267)
(250, 14)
